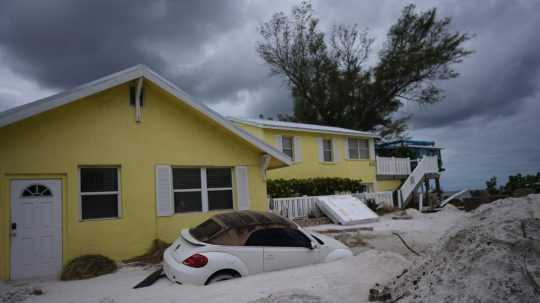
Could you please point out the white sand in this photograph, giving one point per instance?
(492, 256)
(347, 280)
(420, 232)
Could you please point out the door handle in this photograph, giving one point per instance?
(13, 232)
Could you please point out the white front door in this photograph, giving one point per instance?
(36, 228)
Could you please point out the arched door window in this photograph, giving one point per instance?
(36, 190)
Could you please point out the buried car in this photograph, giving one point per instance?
(241, 243)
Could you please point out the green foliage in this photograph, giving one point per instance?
(400, 152)
(333, 84)
(514, 183)
(520, 182)
(491, 186)
(280, 188)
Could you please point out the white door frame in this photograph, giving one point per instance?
(36, 240)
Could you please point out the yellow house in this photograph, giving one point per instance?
(327, 151)
(320, 151)
(109, 166)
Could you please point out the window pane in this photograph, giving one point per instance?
(328, 156)
(363, 143)
(353, 149)
(289, 152)
(218, 177)
(99, 206)
(98, 179)
(327, 144)
(287, 142)
(364, 154)
(187, 201)
(282, 237)
(186, 178)
(205, 230)
(353, 153)
(220, 199)
(287, 146)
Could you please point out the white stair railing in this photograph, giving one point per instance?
(428, 165)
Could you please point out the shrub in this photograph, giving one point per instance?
(87, 266)
(280, 188)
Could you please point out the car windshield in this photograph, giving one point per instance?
(205, 230)
(317, 239)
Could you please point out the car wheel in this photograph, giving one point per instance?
(221, 277)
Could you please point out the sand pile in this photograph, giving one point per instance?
(491, 256)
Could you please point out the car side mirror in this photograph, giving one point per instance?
(313, 245)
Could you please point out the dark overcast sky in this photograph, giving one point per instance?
(488, 123)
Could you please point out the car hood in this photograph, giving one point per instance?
(329, 241)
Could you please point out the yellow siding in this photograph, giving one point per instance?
(310, 166)
(388, 185)
(101, 130)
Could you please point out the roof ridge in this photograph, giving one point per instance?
(48, 103)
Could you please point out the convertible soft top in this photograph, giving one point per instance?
(245, 218)
(233, 228)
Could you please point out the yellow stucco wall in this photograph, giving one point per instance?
(309, 166)
(388, 185)
(101, 130)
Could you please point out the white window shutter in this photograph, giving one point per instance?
(335, 151)
(321, 149)
(347, 155)
(279, 142)
(297, 149)
(242, 187)
(164, 191)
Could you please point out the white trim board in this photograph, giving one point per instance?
(303, 127)
(139, 71)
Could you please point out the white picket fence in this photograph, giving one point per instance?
(298, 207)
(384, 198)
(293, 207)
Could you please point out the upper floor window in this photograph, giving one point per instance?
(202, 189)
(358, 148)
(100, 194)
(328, 150)
(287, 145)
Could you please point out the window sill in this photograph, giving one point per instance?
(202, 212)
(328, 163)
(358, 159)
(100, 219)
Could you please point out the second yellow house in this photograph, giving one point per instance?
(321, 151)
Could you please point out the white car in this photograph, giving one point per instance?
(241, 243)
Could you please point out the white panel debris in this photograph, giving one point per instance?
(346, 210)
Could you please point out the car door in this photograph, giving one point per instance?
(283, 248)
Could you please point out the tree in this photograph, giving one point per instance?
(491, 186)
(329, 78)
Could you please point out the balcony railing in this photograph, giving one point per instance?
(393, 166)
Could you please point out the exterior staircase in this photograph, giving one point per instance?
(427, 167)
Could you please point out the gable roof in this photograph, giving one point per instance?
(33, 108)
(303, 127)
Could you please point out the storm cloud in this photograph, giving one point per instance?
(488, 122)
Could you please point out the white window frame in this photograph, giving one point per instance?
(355, 143)
(324, 150)
(283, 138)
(101, 193)
(204, 188)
